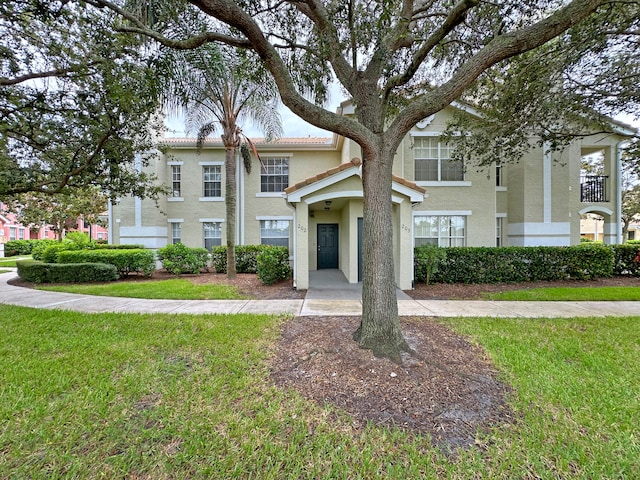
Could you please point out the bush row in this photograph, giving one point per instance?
(522, 264)
(24, 247)
(40, 272)
(125, 261)
(246, 258)
(178, 258)
(269, 262)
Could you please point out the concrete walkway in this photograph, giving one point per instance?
(310, 306)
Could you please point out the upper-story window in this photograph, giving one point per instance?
(212, 178)
(433, 162)
(274, 175)
(176, 180)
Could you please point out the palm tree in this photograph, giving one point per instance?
(217, 89)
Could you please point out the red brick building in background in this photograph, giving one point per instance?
(12, 229)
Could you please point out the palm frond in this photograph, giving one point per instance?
(246, 157)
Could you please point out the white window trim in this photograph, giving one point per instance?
(288, 156)
(175, 220)
(175, 199)
(438, 183)
(501, 189)
(211, 199)
(449, 213)
(276, 217)
(209, 164)
(171, 163)
(434, 183)
(270, 194)
(211, 220)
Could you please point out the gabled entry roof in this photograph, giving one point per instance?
(310, 185)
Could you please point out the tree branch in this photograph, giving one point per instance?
(498, 49)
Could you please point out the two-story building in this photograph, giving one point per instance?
(306, 194)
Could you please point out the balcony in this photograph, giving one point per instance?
(593, 188)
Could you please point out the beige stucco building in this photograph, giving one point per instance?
(307, 194)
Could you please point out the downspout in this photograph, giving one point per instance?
(239, 200)
(619, 149)
(295, 244)
(110, 226)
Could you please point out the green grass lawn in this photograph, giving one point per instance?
(569, 294)
(11, 261)
(188, 396)
(173, 289)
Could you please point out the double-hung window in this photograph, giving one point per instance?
(176, 232)
(274, 232)
(212, 179)
(433, 162)
(440, 230)
(212, 234)
(176, 180)
(274, 174)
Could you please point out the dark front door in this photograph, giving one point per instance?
(327, 245)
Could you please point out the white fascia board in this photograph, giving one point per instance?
(297, 195)
(413, 195)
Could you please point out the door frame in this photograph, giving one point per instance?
(336, 232)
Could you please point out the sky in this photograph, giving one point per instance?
(293, 126)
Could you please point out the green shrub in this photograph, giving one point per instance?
(273, 264)
(177, 258)
(52, 252)
(38, 248)
(24, 247)
(521, 264)
(246, 258)
(627, 259)
(427, 259)
(125, 261)
(109, 246)
(81, 239)
(40, 272)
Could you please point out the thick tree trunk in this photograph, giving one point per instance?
(230, 202)
(380, 325)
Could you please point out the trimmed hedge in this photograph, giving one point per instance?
(110, 246)
(246, 258)
(627, 259)
(40, 272)
(125, 261)
(26, 247)
(178, 258)
(521, 264)
(273, 264)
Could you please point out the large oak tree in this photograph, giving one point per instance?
(402, 61)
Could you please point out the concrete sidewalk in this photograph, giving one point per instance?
(26, 297)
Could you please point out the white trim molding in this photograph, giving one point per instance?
(211, 220)
(274, 217)
(208, 163)
(175, 220)
(464, 213)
